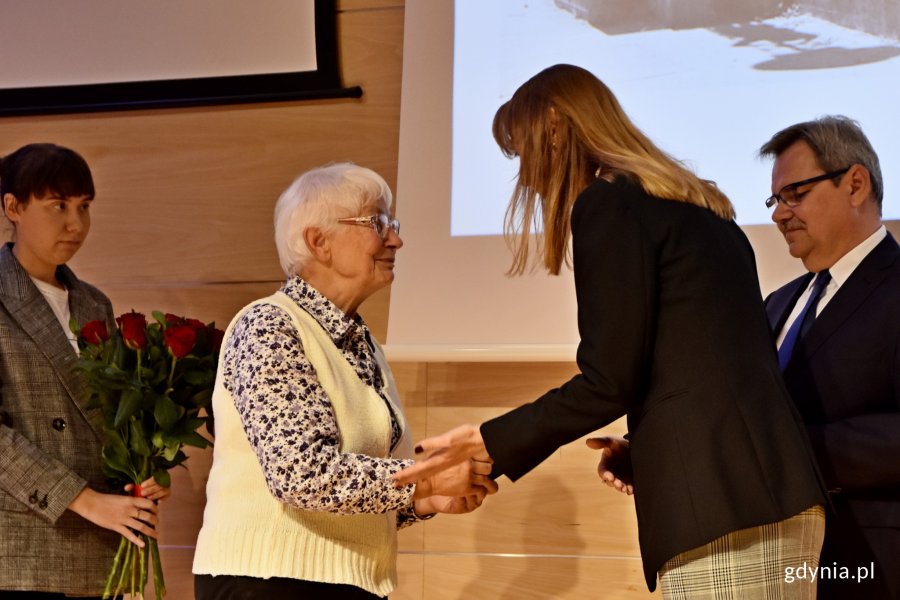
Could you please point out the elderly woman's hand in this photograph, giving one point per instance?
(455, 505)
(469, 477)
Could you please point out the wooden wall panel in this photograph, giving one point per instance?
(347, 5)
(412, 382)
(493, 383)
(179, 580)
(411, 576)
(219, 302)
(206, 302)
(185, 197)
(461, 577)
(561, 507)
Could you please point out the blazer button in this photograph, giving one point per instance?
(5, 419)
(43, 503)
(59, 424)
(33, 498)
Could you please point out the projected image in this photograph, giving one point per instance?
(709, 80)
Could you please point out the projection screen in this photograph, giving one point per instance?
(709, 81)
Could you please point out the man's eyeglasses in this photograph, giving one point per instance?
(381, 223)
(789, 194)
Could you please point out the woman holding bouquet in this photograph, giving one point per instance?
(59, 522)
(673, 335)
(309, 427)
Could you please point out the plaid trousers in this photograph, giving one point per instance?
(750, 564)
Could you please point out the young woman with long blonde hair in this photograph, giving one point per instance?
(673, 335)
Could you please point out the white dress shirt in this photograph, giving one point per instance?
(840, 272)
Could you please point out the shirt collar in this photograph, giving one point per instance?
(844, 267)
(332, 319)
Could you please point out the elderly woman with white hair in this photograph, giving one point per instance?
(309, 427)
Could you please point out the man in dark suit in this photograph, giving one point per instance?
(843, 370)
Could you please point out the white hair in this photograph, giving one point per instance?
(318, 198)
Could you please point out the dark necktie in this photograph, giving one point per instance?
(803, 321)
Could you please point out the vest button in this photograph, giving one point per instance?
(59, 424)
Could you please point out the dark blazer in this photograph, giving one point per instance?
(844, 376)
(673, 334)
(49, 446)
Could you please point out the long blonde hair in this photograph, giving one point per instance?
(567, 128)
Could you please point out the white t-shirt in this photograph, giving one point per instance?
(59, 301)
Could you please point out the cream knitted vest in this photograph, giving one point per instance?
(247, 531)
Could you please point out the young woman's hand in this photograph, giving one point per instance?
(150, 490)
(123, 514)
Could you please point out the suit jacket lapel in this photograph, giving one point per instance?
(28, 308)
(861, 283)
(781, 303)
(83, 310)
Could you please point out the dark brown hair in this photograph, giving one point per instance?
(36, 170)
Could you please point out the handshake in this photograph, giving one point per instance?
(454, 477)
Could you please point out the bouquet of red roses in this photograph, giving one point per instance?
(151, 383)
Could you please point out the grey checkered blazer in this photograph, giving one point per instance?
(49, 444)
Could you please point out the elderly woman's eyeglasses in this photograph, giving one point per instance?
(381, 223)
(789, 194)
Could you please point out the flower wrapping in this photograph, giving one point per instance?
(152, 383)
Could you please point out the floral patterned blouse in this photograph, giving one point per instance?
(289, 419)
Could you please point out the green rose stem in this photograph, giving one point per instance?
(143, 568)
(171, 373)
(159, 583)
(120, 586)
(138, 572)
(117, 560)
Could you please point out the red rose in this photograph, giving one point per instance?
(94, 332)
(195, 324)
(134, 330)
(215, 338)
(192, 323)
(180, 340)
